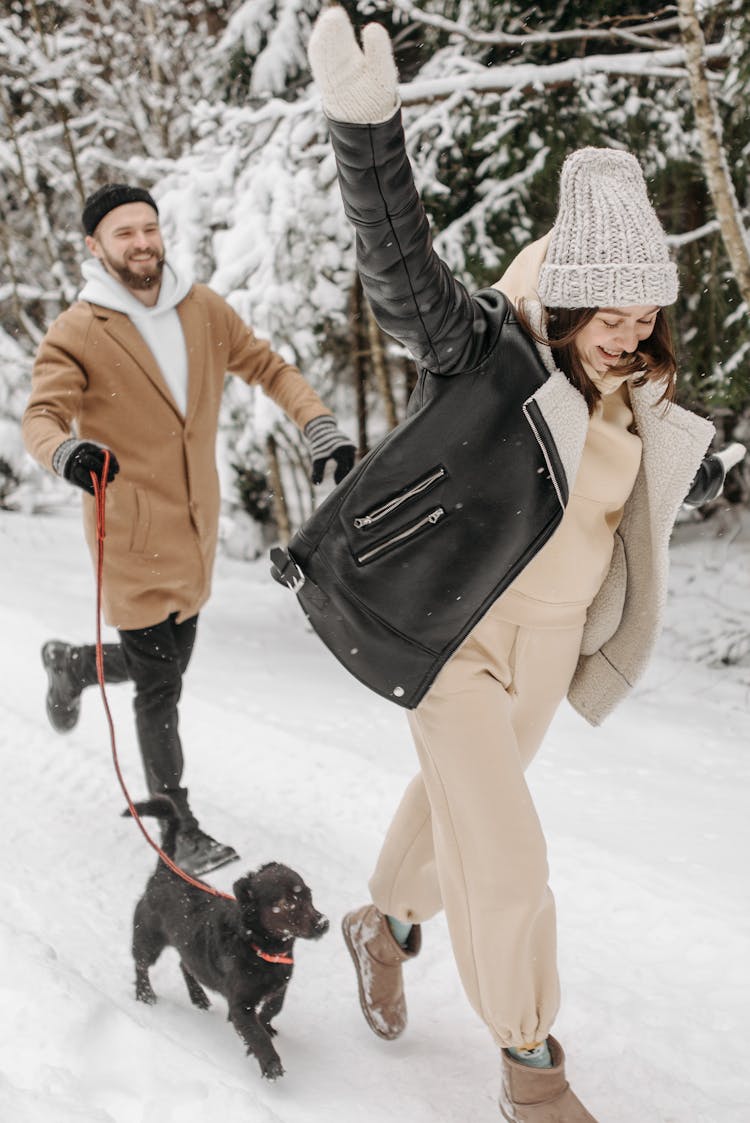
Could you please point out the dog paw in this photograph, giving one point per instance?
(199, 998)
(145, 994)
(272, 1070)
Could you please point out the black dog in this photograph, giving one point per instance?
(242, 949)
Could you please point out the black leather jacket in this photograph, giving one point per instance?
(411, 549)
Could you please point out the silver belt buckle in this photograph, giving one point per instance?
(298, 580)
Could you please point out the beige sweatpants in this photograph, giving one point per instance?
(466, 836)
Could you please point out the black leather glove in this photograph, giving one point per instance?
(75, 461)
(325, 442)
(709, 480)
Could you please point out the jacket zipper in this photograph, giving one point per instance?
(402, 535)
(529, 407)
(393, 504)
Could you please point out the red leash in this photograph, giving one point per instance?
(100, 488)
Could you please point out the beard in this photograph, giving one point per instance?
(147, 280)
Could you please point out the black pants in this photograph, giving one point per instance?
(155, 659)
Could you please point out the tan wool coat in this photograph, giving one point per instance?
(95, 377)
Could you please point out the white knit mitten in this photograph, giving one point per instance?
(357, 85)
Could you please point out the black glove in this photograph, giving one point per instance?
(325, 442)
(709, 479)
(344, 458)
(76, 460)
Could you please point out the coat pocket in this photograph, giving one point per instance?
(400, 537)
(605, 612)
(141, 522)
(394, 504)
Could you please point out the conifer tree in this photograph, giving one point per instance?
(210, 104)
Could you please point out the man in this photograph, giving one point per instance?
(137, 367)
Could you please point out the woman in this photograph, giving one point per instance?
(541, 482)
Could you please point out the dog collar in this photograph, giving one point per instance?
(271, 958)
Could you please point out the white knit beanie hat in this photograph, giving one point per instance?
(608, 248)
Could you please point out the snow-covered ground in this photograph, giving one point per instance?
(648, 829)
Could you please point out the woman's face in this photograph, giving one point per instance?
(612, 334)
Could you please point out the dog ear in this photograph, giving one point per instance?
(244, 891)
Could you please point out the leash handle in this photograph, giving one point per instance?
(100, 496)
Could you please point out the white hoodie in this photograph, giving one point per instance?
(160, 326)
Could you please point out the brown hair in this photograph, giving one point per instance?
(654, 361)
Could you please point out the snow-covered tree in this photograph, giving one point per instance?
(210, 104)
(89, 92)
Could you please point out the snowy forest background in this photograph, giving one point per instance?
(209, 103)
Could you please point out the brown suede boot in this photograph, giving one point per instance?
(540, 1095)
(377, 957)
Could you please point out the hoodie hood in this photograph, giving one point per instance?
(520, 279)
(519, 282)
(102, 288)
(159, 326)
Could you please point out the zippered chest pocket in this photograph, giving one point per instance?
(396, 502)
(395, 505)
(400, 537)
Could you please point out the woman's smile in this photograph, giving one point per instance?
(611, 358)
(624, 329)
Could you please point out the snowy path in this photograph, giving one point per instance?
(289, 759)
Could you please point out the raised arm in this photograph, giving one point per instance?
(413, 294)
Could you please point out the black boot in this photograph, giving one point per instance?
(195, 851)
(63, 702)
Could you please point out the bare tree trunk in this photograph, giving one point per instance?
(380, 369)
(150, 22)
(159, 79)
(715, 166)
(408, 371)
(299, 462)
(356, 301)
(60, 111)
(281, 514)
(27, 179)
(16, 303)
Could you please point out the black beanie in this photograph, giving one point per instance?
(106, 198)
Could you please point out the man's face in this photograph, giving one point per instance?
(128, 243)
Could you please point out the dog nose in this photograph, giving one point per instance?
(321, 925)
